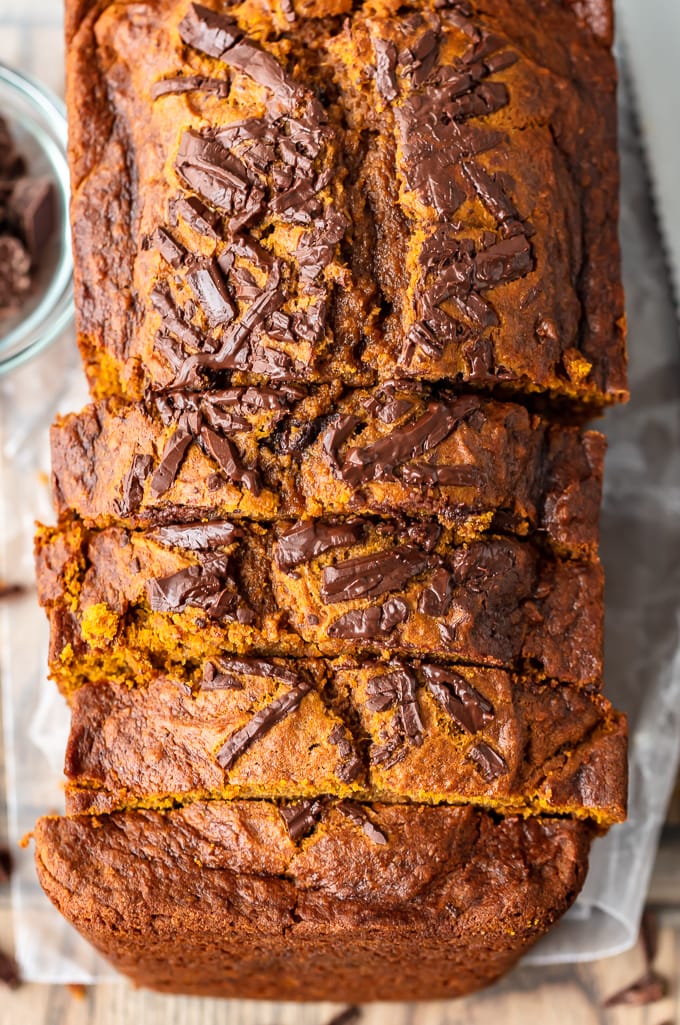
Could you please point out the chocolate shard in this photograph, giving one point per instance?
(301, 818)
(400, 685)
(351, 766)
(436, 598)
(208, 31)
(336, 435)
(197, 537)
(489, 762)
(196, 214)
(466, 706)
(173, 454)
(385, 65)
(133, 485)
(309, 538)
(418, 62)
(355, 812)
(212, 293)
(357, 624)
(367, 624)
(261, 723)
(259, 667)
(649, 988)
(212, 171)
(393, 612)
(172, 320)
(169, 248)
(226, 456)
(213, 679)
(9, 971)
(504, 261)
(207, 586)
(490, 192)
(368, 576)
(178, 84)
(378, 460)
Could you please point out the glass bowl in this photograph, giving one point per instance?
(37, 121)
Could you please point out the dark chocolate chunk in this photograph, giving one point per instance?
(649, 988)
(211, 290)
(260, 724)
(358, 624)
(400, 687)
(173, 454)
(172, 319)
(301, 818)
(507, 260)
(385, 65)
(309, 538)
(393, 612)
(212, 171)
(189, 83)
(197, 537)
(337, 435)
(351, 766)
(213, 679)
(436, 598)
(430, 335)
(206, 586)
(32, 210)
(466, 706)
(378, 460)
(169, 248)
(249, 249)
(490, 192)
(208, 31)
(489, 762)
(196, 215)
(224, 452)
(133, 485)
(358, 816)
(9, 971)
(368, 576)
(418, 62)
(258, 667)
(264, 69)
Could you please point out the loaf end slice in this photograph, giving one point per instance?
(392, 903)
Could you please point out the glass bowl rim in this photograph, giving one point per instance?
(49, 128)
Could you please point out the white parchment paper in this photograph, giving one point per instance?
(641, 551)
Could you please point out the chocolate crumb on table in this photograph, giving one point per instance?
(5, 864)
(9, 971)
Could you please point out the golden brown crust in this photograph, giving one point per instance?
(475, 464)
(546, 316)
(399, 732)
(444, 906)
(134, 602)
(308, 236)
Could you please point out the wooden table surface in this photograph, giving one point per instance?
(30, 37)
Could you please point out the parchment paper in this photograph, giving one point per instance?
(641, 551)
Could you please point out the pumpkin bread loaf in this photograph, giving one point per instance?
(324, 590)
